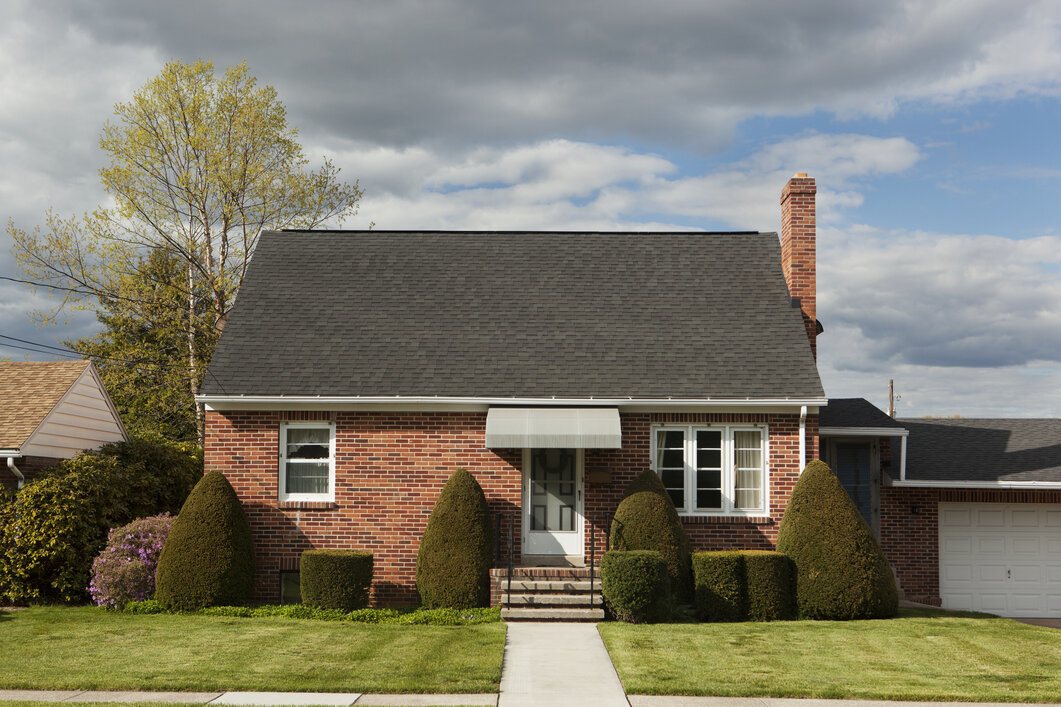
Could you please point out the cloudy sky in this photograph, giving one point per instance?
(931, 127)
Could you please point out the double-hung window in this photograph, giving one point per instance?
(307, 461)
(716, 470)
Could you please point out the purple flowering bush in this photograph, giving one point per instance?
(125, 570)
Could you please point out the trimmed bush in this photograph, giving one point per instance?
(647, 520)
(453, 563)
(841, 572)
(335, 579)
(635, 585)
(125, 570)
(719, 589)
(58, 523)
(770, 586)
(208, 558)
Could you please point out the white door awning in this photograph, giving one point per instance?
(553, 428)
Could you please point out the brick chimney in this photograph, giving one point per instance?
(798, 251)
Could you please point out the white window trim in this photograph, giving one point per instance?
(282, 475)
(729, 474)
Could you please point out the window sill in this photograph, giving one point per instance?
(744, 520)
(307, 505)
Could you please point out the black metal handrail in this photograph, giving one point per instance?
(592, 559)
(511, 531)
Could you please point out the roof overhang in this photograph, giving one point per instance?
(553, 428)
(1025, 485)
(863, 432)
(465, 404)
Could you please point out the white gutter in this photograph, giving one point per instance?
(444, 400)
(15, 470)
(802, 438)
(863, 432)
(1026, 485)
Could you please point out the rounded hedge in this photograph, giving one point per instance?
(770, 586)
(335, 579)
(841, 572)
(647, 520)
(635, 585)
(719, 591)
(453, 563)
(55, 526)
(208, 558)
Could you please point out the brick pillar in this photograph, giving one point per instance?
(798, 251)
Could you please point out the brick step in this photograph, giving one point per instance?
(552, 585)
(586, 599)
(551, 614)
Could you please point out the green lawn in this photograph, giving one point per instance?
(62, 648)
(923, 655)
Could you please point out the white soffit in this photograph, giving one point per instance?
(553, 428)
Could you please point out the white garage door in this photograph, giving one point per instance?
(1001, 558)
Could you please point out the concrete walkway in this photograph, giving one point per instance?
(558, 664)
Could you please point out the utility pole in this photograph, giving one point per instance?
(891, 397)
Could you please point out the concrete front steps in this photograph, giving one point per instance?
(548, 594)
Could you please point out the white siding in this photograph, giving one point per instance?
(83, 419)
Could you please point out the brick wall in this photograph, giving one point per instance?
(910, 530)
(390, 468)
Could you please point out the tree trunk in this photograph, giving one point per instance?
(193, 359)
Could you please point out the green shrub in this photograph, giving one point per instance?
(58, 523)
(453, 564)
(147, 606)
(335, 579)
(635, 585)
(647, 520)
(770, 584)
(719, 589)
(208, 558)
(841, 572)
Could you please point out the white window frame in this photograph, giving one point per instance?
(729, 474)
(282, 476)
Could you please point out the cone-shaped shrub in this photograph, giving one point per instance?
(453, 565)
(647, 520)
(208, 558)
(841, 572)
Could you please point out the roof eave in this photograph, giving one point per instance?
(958, 484)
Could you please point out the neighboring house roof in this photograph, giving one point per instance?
(857, 413)
(522, 315)
(1000, 450)
(54, 408)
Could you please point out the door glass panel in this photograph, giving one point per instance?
(553, 497)
(708, 470)
(852, 468)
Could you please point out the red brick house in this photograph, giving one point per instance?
(359, 369)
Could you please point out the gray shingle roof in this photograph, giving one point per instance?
(855, 412)
(983, 450)
(503, 314)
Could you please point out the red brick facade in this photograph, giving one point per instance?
(390, 468)
(909, 519)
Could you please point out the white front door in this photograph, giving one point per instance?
(552, 502)
(1002, 558)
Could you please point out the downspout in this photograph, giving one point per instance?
(902, 458)
(802, 438)
(15, 470)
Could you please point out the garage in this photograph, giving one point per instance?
(1001, 558)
